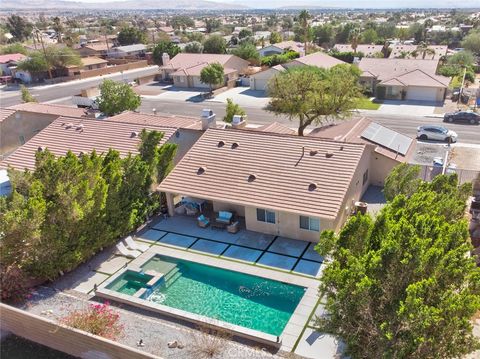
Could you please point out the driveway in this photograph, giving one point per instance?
(243, 96)
(415, 108)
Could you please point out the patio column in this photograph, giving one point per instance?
(170, 205)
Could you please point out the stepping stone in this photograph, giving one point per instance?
(178, 240)
(151, 235)
(308, 267)
(241, 253)
(312, 254)
(209, 246)
(277, 260)
(292, 247)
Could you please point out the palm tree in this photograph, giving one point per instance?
(303, 18)
(424, 49)
(354, 39)
(58, 27)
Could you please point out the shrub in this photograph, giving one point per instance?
(347, 56)
(97, 319)
(232, 110)
(12, 284)
(274, 60)
(26, 95)
(209, 343)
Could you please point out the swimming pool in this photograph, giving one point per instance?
(249, 301)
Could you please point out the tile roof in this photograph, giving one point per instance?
(318, 59)
(49, 109)
(86, 61)
(351, 131)
(367, 50)
(196, 70)
(11, 57)
(397, 50)
(158, 120)
(289, 45)
(185, 60)
(5, 113)
(409, 72)
(276, 127)
(82, 135)
(129, 48)
(103, 46)
(284, 166)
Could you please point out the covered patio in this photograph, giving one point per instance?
(287, 254)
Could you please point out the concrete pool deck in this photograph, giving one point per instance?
(292, 330)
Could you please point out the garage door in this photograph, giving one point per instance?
(422, 94)
(258, 84)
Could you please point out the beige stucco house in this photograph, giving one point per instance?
(280, 184)
(184, 69)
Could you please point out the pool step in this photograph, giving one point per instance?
(172, 278)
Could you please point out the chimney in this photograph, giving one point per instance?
(208, 119)
(239, 121)
(165, 59)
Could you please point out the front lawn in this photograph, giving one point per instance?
(367, 104)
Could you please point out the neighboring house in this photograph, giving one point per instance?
(275, 127)
(366, 50)
(184, 69)
(136, 50)
(391, 147)
(282, 47)
(259, 81)
(405, 51)
(403, 79)
(9, 60)
(21, 122)
(99, 49)
(167, 30)
(188, 129)
(280, 184)
(83, 136)
(88, 63)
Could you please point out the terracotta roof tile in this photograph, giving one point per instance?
(158, 120)
(5, 113)
(284, 167)
(318, 59)
(82, 135)
(276, 127)
(49, 109)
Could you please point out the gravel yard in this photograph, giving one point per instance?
(155, 330)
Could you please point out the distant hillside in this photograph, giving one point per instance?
(140, 5)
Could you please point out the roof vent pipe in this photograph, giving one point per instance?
(134, 134)
(201, 170)
(329, 154)
(313, 152)
(235, 145)
(252, 177)
(221, 143)
(312, 186)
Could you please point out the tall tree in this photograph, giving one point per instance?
(166, 47)
(58, 27)
(212, 75)
(402, 285)
(130, 35)
(247, 51)
(215, 44)
(313, 95)
(303, 18)
(19, 27)
(471, 42)
(355, 38)
(423, 49)
(116, 97)
(193, 47)
(275, 38)
(403, 179)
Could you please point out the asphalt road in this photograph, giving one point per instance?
(43, 93)
(406, 124)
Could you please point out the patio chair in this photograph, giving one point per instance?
(224, 217)
(234, 227)
(131, 244)
(190, 210)
(124, 251)
(203, 221)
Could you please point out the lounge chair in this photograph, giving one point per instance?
(124, 251)
(224, 217)
(233, 228)
(131, 244)
(203, 221)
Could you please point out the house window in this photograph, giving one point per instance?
(309, 223)
(265, 216)
(365, 178)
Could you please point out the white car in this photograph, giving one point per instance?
(436, 133)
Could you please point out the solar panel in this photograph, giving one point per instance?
(387, 138)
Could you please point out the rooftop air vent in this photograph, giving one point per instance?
(80, 127)
(341, 148)
(312, 186)
(313, 152)
(235, 145)
(221, 143)
(201, 170)
(134, 134)
(69, 125)
(329, 154)
(252, 177)
(40, 149)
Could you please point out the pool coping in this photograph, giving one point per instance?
(291, 331)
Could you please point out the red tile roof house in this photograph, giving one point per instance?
(406, 50)
(118, 132)
(403, 79)
(260, 80)
(184, 69)
(281, 184)
(391, 147)
(27, 119)
(366, 50)
(9, 60)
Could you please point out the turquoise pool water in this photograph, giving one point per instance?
(245, 300)
(130, 282)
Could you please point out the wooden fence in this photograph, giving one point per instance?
(68, 340)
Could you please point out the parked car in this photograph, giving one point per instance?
(437, 133)
(462, 117)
